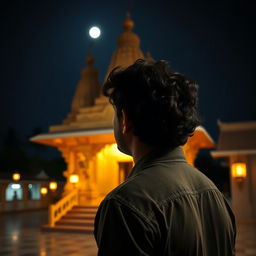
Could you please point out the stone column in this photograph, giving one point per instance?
(69, 156)
(86, 159)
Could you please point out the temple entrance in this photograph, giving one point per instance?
(124, 170)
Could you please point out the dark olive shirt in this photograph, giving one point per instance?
(165, 207)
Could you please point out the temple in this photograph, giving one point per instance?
(85, 138)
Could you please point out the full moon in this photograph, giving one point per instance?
(94, 32)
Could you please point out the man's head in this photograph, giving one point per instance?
(154, 103)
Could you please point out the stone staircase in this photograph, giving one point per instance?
(80, 219)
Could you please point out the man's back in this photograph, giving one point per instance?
(166, 207)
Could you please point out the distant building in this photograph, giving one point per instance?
(237, 143)
(25, 194)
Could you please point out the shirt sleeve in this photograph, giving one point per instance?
(121, 230)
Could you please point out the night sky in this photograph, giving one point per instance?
(44, 45)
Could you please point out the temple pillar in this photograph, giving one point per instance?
(86, 160)
(69, 155)
(81, 160)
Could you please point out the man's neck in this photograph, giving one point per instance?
(139, 149)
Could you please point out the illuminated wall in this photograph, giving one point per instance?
(108, 168)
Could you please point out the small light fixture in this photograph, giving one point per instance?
(239, 171)
(43, 190)
(74, 178)
(53, 185)
(15, 186)
(16, 176)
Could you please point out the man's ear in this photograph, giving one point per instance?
(125, 122)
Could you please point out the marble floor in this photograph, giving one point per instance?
(20, 235)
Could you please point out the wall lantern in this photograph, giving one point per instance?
(74, 178)
(43, 190)
(53, 185)
(16, 176)
(239, 171)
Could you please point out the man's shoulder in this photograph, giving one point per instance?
(156, 184)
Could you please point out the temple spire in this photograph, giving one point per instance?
(89, 60)
(128, 24)
(87, 89)
(128, 47)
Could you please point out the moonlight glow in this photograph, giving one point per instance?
(94, 32)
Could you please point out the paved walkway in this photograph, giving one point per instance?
(20, 235)
(246, 240)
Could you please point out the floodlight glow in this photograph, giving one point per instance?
(94, 32)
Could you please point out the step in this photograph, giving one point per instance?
(85, 207)
(75, 222)
(79, 216)
(92, 211)
(67, 228)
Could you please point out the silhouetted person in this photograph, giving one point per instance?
(166, 206)
(29, 194)
(15, 195)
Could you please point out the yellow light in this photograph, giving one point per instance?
(113, 149)
(74, 178)
(15, 237)
(16, 176)
(43, 252)
(43, 190)
(239, 171)
(53, 185)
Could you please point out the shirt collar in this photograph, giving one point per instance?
(158, 156)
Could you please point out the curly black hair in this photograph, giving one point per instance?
(161, 103)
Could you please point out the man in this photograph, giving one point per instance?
(165, 207)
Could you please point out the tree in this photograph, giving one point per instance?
(12, 155)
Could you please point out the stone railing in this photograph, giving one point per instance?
(56, 211)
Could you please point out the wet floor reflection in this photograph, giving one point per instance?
(20, 235)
